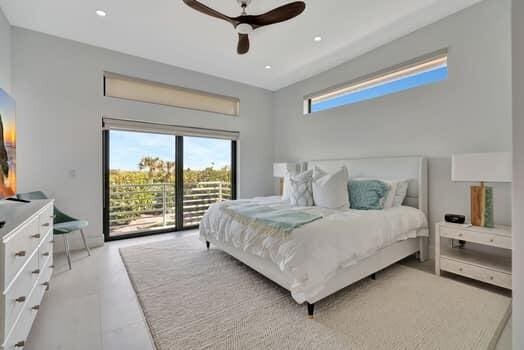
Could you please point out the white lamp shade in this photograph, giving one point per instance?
(281, 169)
(485, 167)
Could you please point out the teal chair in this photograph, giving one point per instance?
(63, 223)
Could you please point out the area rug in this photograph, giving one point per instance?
(193, 298)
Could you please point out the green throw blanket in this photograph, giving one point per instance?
(271, 220)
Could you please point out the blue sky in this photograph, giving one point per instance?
(128, 148)
(424, 78)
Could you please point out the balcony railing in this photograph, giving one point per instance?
(142, 207)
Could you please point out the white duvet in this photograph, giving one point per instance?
(311, 254)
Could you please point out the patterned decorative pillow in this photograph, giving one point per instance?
(301, 190)
(400, 193)
(367, 194)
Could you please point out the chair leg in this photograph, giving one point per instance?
(85, 242)
(68, 253)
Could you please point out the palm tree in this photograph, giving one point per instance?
(152, 164)
(169, 168)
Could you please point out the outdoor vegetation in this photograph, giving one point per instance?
(149, 191)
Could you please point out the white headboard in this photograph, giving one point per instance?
(414, 169)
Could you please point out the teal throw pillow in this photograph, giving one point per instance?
(367, 194)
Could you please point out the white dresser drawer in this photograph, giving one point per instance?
(45, 220)
(17, 339)
(476, 237)
(18, 249)
(497, 278)
(45, 252)
(19, 292)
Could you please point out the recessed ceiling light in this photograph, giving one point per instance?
(101, 13)
(268, 67)
(317, 38)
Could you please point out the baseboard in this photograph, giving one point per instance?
(76, 243)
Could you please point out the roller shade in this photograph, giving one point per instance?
(156, 128)
(135, 89)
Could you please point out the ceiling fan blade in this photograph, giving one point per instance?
(280, 14)
(243, 44)
(209, 11)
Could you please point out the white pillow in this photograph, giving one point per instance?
(400, 193)
(330, 190)
(300, 191)
(286, 187)
(398, 190)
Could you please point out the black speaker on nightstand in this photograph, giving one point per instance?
(456, 219)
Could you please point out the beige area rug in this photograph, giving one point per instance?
(198, 299)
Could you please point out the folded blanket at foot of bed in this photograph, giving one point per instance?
(271, 220)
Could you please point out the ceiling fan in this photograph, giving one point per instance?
(245, 24)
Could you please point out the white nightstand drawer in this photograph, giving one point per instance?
(497, 278)
(476, 237)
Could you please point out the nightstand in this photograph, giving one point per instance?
(479, 264)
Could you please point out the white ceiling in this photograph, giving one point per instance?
(170, 32)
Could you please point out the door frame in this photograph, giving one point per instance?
(179, 188)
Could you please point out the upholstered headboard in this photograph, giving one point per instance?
(414, 169)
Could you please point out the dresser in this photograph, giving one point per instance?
(488, 261)
(26, 252)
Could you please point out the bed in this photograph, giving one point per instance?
(344, 246)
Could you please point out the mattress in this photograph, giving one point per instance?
(311, 254)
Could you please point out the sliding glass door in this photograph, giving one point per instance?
(207, 176)
(141, 182)
(156, 183)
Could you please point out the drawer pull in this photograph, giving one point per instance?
(36, 235)
(460, 269)
(46, 285)
(460, 235)
(20, 253)
(20, 344)
(20, 299)
(35, 272)
(45, 254)
(36, 307)
(46, 224)
(491, 278)
(52, 241)
(492, 240)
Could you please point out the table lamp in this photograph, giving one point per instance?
(482, 167)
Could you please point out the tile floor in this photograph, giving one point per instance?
(94, 306)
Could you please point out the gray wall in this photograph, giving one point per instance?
(518, 174)
(470, 112)
(5, 53)
(58, 87)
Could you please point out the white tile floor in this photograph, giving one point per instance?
(94, 306)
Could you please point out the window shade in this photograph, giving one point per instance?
(131, 125)
(135, 89)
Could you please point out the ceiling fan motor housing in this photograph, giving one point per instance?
(244, 28)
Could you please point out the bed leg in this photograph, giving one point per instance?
(373, 276)
(310, 310)
(208, 244)
(423, 249)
